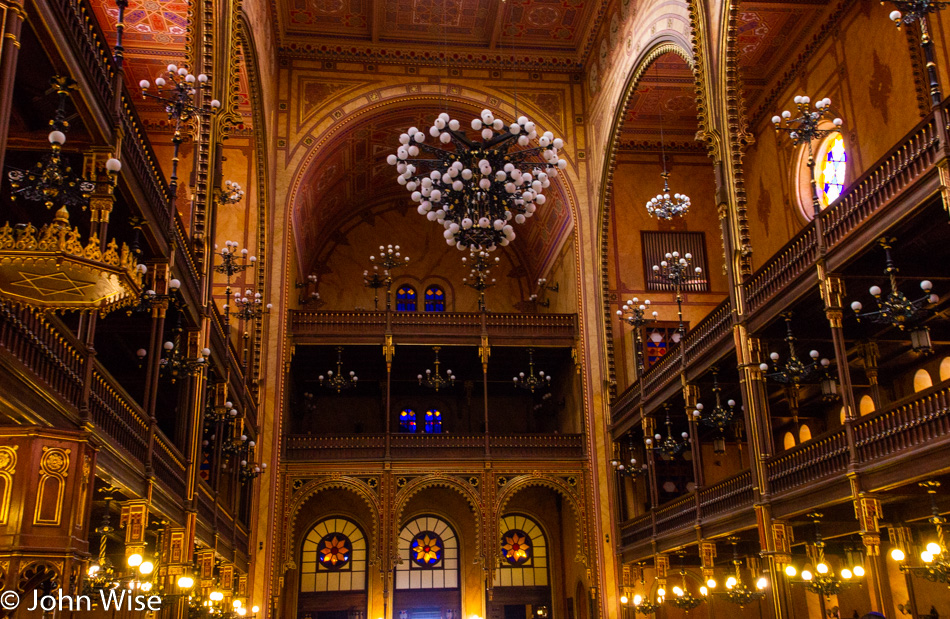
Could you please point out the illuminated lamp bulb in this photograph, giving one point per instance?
(146, 568)
(134, 560)
(790, 571)
(623, 598)
(806, 575)
(186, 582)
(846, 574)
(926, 557)
(934, 548)
(93, 570)
(236, 603)
(711, 583)
(255, 609)
(762, 583)
(678, 591)
(897, 554)
(215, 596)
(731, 582)
(661, 592)
(637, 599)
(822, 568)
(703, 591)
(858, 570)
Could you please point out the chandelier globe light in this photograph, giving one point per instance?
(478, 189)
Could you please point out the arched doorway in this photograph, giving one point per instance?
(427, 576)
(522, 585)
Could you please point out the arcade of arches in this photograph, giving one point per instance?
(315, 402)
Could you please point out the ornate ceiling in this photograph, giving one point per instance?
(468, 31)
(350, 179)
(665, 99)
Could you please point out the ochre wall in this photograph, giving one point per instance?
(873, 91)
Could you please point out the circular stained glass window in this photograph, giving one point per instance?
(334, 551)
(516, 547)
(426, 549)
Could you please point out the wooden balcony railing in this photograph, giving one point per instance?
(427, 327)
(728, 496)
(905, 426)
(901, 430)
(809, 463)
(542, 447)
(117, 415)
(169, 465)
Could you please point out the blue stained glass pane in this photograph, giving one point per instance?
(407, 421)
(435, 299)
(433, 422)
(405, 299)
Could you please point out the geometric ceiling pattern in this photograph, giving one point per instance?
(350, 179)
(460, 29)
(663, 105)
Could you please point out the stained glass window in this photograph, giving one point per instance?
(524, 558)
(407, 421)
(333, 557)
(334, 551)
(435, 299)
(831, 170)
(433, 422)
(429, 551)
(516, 547)
(405, 299)
(425, 550)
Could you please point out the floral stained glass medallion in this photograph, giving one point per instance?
(335, 550)
(426, 549)
(832, 171)
(516, 547)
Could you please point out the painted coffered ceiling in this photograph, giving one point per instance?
(664, 101)
(469, 31)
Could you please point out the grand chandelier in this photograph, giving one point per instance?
(667, 206)
(434, 379)
(634, 314)
(54, 267)
(719, 418)
(337, 381)
(668, 447)
(530, 381)
(794, 370)
(477, 189)
(823, 580)
(634, 470)
(737, 591)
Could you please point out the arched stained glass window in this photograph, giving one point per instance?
(406, 300)
(435, 299)
(831, 168)
(407, 421)
(430, 555)
(333, 557)
(433, 422)
(524, 555)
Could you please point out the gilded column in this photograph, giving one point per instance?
(867, 508)
(12, 17)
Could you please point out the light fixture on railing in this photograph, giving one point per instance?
(626, 464)
(389, 259)
(538, 298)
(897, 310)
(478, 277)
(935, 558)
(910, 11)
(794, 370)
(823, 580)
(176, 361)
(736, 591)
(634, 314)
(433, 379)
(309, 294)
(805, 129)
(232, 263)
(531, 382)
(678, 272)
(251, 306)
(478, 189)
(230, 194)
(248, 470)
(337, 381)
(149, 299)
(668, 447)
(181, 104)
(53, 267)
(720, 418)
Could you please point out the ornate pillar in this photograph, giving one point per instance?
(175, 561)
(649, 428)
(12, 17)
(226, 573)
(902, 537)
(832, 292)
(47, 478)
(867, 508)
(780, 555)
(204, 559)
(134, 519)
(870, 354)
